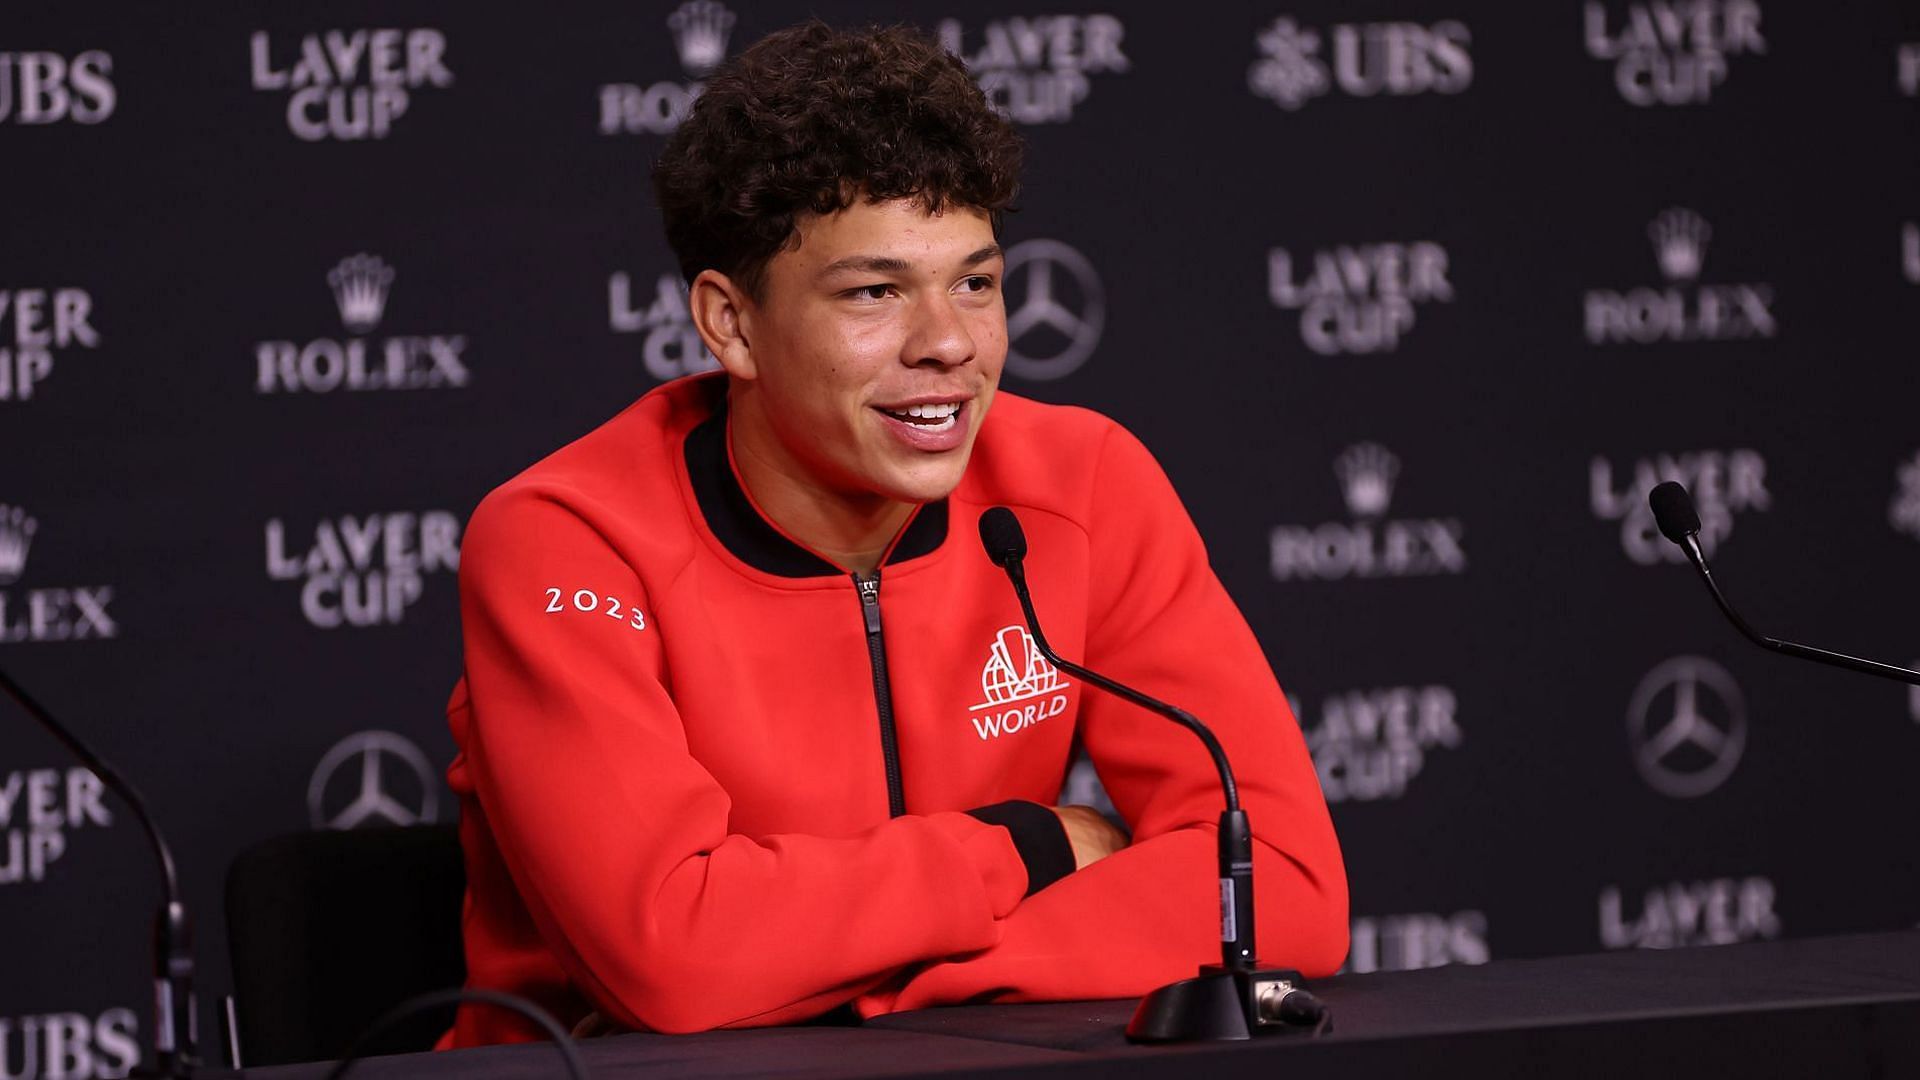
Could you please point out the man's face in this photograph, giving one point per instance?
(877, 346)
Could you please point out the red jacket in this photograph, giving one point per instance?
(683, 800)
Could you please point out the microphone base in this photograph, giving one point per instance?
(1218, 1005)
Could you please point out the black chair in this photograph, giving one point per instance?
(329, 930)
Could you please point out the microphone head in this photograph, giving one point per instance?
(1001, 535)
(1673, 511)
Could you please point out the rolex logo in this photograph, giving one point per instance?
(1680, 243)
(16, 536)
(1366, 472)
(700, 29)
(360, 285)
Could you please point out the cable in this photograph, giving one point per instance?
(437, 998)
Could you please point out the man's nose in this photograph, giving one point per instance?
(939, 334)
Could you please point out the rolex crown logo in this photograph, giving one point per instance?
(360, 285)
(700, 29)
(16, 536)
(1366, 472)
(1680, 243)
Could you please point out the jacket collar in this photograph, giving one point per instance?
(753, 540)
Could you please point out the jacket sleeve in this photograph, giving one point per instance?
(1161, 622)
(618, 840)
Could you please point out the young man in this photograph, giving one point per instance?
(712, 772)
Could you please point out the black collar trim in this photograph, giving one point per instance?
(744, 532)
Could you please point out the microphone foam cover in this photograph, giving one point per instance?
(1673, 511)
(1001, 535)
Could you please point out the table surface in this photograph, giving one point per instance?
(1837, 1006)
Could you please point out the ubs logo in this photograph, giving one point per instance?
(1390, 58)
(373, 778)
(1056, 309)
(1687, 727)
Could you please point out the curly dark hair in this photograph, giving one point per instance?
(810, 118)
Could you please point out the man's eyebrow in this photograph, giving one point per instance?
(872, 264)
(887, 264)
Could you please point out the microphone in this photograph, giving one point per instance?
(1673, 512)
(1234, 998)
(174, 1026)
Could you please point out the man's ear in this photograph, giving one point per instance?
(721, 313)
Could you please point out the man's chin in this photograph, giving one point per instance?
(928, 481)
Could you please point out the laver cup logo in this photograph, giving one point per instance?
(1036, 68)
(37, 326)
(361, 285)
(670, 347)
(700, 30)
(1372, 545)
(47, 87)
(1358, 298)
(1718, 911)
(1370, 744)
(38, 808)
(45, 613)
(1684, 309)
(364, 571)
(1393, 59)
(1019, 687)
(1687, 727)
(1724, 483)
(1666, 53)
(349, 85)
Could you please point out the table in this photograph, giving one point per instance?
(1819, 1007)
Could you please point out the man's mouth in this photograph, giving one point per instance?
(933, 418)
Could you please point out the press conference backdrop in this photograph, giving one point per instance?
(1415, 301)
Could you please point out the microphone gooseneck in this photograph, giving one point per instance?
(1006, 545)
(1674, 513)
(173, 1022)
(1237, 997)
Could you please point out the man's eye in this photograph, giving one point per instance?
(977, 283)
(870, 292)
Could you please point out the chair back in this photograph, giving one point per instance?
(329, 930)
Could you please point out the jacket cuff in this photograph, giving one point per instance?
(1038, 836)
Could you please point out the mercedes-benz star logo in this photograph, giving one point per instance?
(1061, 310)
(393, 785)
(1687, 726)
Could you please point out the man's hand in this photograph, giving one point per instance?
(1093, 837)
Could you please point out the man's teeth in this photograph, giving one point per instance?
(929, 416)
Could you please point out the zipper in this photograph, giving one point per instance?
(869, 586)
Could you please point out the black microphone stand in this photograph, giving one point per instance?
(1673, 512)
(174, 1022)
(1237, 997)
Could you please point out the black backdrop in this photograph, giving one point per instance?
(1413, 300)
